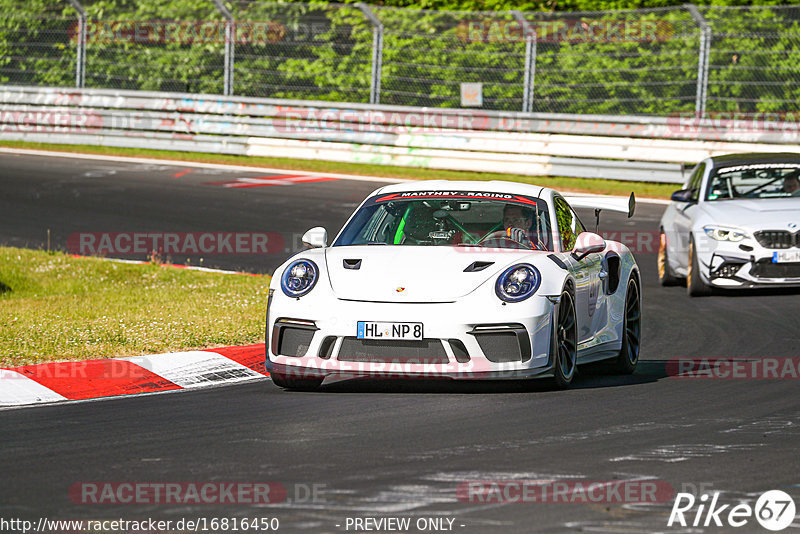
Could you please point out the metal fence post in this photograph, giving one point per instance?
(229, 50)
(703, 60)
(80, 61)
(530, 60)
(377, 53)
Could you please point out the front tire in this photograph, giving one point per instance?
(628, 357)
(299, 384)
(565, 343)
(665, 276)
(695, 286)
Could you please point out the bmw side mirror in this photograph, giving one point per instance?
(317, 237)
(588, 243)
(684, 195)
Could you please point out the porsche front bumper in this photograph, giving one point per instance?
(313, 338)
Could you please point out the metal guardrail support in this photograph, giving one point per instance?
(377, 53)
(80, 61)
(530, 60)
(229, 50)
(703, 60)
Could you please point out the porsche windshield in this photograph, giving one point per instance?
(763, 180)
(457, 219)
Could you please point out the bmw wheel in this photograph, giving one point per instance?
(665, 276)
(631, 331)
(695, 286)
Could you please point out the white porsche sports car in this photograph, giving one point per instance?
(735, 223)
(444, 279)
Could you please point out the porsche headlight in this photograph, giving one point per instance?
(518, 282)
(720, 233)
(299, 278)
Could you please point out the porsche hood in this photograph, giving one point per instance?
(375, 273)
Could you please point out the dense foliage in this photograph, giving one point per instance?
(562, 5)
(619, 62)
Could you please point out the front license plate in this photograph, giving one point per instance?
(786, 256)
(377, 330)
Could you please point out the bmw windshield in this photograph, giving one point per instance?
(762, 180)
(467, 219)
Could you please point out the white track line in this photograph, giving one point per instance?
(175, 265)
(197, 164)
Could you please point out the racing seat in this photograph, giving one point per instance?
(419, 223)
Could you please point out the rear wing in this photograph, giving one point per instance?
(599, 203)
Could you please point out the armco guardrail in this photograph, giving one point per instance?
(623, 148)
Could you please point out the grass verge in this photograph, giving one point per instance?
(54, 307)
(585, 185)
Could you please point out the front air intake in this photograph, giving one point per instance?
(503, 343)
(427, 351)
(477, 266)
(292, 337)
(459, 350)
(326, 347)
(764, 268)
(294, 341)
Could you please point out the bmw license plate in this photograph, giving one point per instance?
(786, 256)
(378, 330)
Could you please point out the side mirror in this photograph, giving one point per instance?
(317, 237)
(684, 195)
(588, 243)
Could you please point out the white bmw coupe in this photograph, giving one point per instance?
(441, 279)
(735, 223)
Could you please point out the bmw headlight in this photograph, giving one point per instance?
(299, 278)
(720, 233)
(518, 282)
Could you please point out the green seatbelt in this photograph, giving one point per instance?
(398, 235)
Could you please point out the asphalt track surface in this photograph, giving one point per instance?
(396, 449)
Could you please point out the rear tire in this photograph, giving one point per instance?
(695, 286)
(299, 384)
(665, 276)
(628, 357)
(565, 341)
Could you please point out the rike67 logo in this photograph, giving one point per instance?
(774, 510)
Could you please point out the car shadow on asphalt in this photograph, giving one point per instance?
(589, 377)
(757, 292)
(739, 293)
